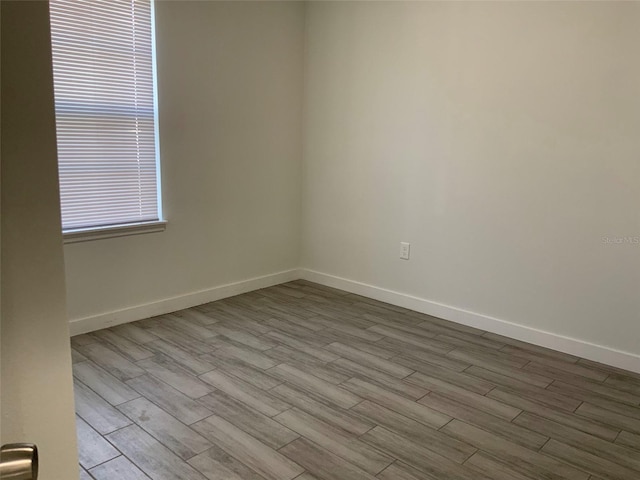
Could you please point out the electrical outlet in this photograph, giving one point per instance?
(404, 250)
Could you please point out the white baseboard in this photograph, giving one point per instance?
(573, 346)
(168, 305)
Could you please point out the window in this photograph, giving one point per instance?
(106, 115)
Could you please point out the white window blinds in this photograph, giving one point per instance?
(103, 66)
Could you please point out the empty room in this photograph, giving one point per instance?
(320, 240)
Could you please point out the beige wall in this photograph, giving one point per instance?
(37, 397)
(230, 105)
(500, 138)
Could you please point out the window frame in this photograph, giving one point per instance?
(83, 234)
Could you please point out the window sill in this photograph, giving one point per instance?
(98, 233)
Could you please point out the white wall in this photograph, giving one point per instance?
(37, 395)
(500, 138)
(230, 106)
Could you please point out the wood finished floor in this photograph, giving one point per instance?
(306, 382)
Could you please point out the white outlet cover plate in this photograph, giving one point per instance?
(405, 249)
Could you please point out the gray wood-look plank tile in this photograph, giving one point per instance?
(376, 348)
(240, 336)
(444, 327)
(169, 431)
(585, 442)
(608, 368)
(305, 382)
(628, 439)
(247, 315)
(378, 307)
(119, 468)
(341, 397)
(288, 327)
(269, 463)
(171, 373)
(83, 339)
(532, 379)
(84, 475)
(588, 396)
(460, 379)
(486, 357)
(428, 437)
(608, 417)
(284, 354)
(624, 383)
(396, 321)
(93, 449)
(562, 417)
(400, 471)
(103, 383)
(320, 338)
(253, 357)
(461, 395)
(306, 476)
(181, 340)
(499, 379)
(422, 342)
(134, 333)
(417, 456)
(286, 308)
(302, 346)
(216, 464)
(541, 396)
(307, 323)
(492, 468)
(549, 357)
(523, 460)
(422, 361)
(195, 316)
(246, 393)
(128, 349)
(111, 361)
(77, 357)
(327, 372)
(460, 339)
(397, 403)
(349, 328)
(322, 463)
(151, 456)
(529, 347)
(268, 431)
(169, 399)
(398, 329)
(232, 365)
(185, 325)
(571, 368)
(250, 321)
(592, 391)
(365, 358)
(378, 377)
(96, 411)
(335, 440)
(591, 463)
(183, 357)
(322, 409)
(507, 430)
